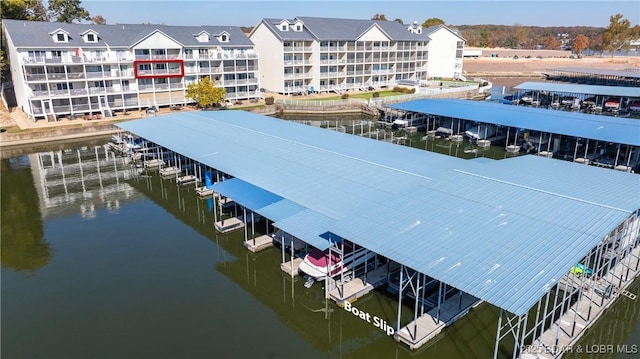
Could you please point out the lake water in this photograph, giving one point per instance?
(100, 260)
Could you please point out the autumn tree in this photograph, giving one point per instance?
(580, 43)
(67, 11)
(205, 93)
(551, 43)
(379, 17)
(98, 20)
(618, 34)
(431, 22)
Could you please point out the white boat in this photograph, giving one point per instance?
(481, 132)
(318, 264)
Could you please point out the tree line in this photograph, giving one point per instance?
(615, 37)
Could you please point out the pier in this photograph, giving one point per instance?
(428, 213)
(419, 331)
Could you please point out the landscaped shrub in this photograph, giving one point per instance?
(404, 89)
(269, 100)
(345, 96)
(376, 94)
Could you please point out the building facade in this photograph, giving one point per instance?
(308, 54)
(61, 69)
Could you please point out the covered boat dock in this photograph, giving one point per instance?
(505, 232)
(590, 76)
(604, 141)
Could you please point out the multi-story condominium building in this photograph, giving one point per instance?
(325, 54)
(61, 69)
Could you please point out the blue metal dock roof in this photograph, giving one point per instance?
(580, 89)
(601, 72)
(504, 231)
(595, 127)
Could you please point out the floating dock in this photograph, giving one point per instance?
(170, 172)
(152, 164)
(230, 224)
(352, 290)
(259, 243)
(420, 331)
(186, 180)
(291, 267)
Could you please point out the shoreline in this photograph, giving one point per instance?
(528, 64)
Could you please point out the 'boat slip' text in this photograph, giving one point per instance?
(377, 322)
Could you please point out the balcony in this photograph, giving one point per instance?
(36, 77)
(94, 75)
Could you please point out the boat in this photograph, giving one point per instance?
(634, 106)
(317, 264)
(612, 103)
(481, 132)
(448, 127)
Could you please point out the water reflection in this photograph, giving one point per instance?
(152, 273)
(23, 245)
(55, 182)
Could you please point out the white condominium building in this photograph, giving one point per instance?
(61, 69)
(309, 54)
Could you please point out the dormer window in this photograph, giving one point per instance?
(298, 26)
(89, 36)
(202, 37)
(284, 27)
(59, 35)
(224, 37)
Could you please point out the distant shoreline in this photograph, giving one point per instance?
(534, 63)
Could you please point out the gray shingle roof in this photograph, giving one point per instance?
(320, 28)
(35, 34)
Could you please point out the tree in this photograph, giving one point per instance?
(551, 43)
(618, 34)
(99, 20)
(13, 9)
(580, 43)
(36, 10)
(399, 21)
(431, 22)
(205, 93)
(23, 10)
(67, 11)
(379, 17)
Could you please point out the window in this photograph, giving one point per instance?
(284, 27)
(144, 67)
(224, 38)
(298, 27)
(91, 38)
(61, 37)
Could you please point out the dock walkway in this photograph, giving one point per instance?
(424, 328)
(594, 300)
